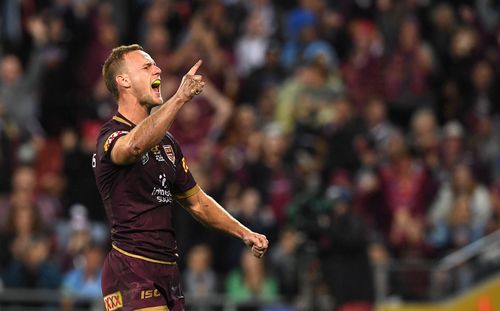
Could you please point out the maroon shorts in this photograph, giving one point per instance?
(130, 283)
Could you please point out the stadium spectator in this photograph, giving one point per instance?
(444, 25)
(7, 148)
(300, 30)
(223, 20)
(379, 128)
(210, 113)
(452, 102)
(462, 52)
(268, 13)
(269, 75)
(23, 193)
(407, 73)
(482, 95)
(269, 174)
(343, 250)
(459, 228)
(250, 281)
(23, 224)
(362, 71)
(453, 149)
(77, 234)
(160, 14)
(285, 263)
(84, 281)
(388, 16)
(304, 101)
(486, 141)
(367, 201)
(494, 222)
(403, 182)
(425, 139)
(346, 131)
(49, 198)
(251, 47)
(236, 144)
(425, 136)
(78, 148)
(106, 37)
(19, 86)
(60, 84)
(249, 211)
(33, 266)
(463, 183)
(158, 43)
(200, 281)
(201, 42)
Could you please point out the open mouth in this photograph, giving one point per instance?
(156, 85)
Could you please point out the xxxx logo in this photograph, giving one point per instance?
(113, 301)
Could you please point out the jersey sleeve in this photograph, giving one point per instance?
(185, 184)
(108, 141)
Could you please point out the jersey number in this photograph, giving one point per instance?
(94, 162)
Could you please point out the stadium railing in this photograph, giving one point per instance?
(420, 280)
(397, 283)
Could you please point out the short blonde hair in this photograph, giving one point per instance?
(112, 65)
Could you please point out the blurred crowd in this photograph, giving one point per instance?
(352, 133)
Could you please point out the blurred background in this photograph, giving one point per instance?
(361, 136)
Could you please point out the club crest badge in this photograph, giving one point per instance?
(169, 151)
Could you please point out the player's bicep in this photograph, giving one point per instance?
(121, 153)
(116, 148)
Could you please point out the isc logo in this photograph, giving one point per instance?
(149, 293)
(113, 301)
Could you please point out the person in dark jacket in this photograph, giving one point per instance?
(343, 249)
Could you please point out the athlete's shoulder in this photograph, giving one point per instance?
(110, 131)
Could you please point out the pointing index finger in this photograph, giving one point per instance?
(195, 67)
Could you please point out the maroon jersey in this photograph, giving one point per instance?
(139, 198)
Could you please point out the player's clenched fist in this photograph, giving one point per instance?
(258, 243)
(191, 84)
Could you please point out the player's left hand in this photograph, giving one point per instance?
(258, 243)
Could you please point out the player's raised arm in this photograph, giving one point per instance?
(207, 211)
(150, 130)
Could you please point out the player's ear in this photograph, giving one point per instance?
(123, 80)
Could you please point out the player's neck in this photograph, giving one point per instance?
(133, 110)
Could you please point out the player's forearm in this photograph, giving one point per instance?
(152, 129)
(207, 211)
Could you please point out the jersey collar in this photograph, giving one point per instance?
(120, 118)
